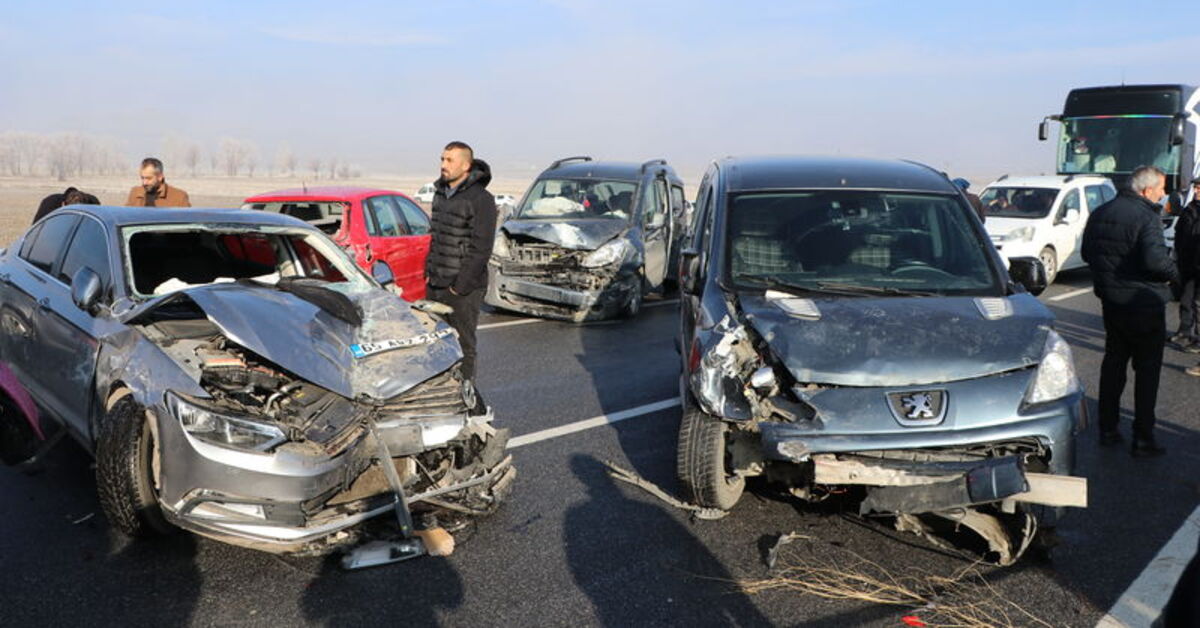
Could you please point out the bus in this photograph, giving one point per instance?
(1112, 130)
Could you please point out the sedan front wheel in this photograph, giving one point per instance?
(125, 451)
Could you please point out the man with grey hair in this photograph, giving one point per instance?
(154, 191)
(1131, 269)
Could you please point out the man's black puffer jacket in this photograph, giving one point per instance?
(1187, 240)
(462, 233)
(1123, 244)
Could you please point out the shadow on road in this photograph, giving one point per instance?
(672, 579)
(421, 588)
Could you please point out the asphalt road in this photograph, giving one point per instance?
(574, 547)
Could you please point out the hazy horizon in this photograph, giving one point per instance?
(384, 85)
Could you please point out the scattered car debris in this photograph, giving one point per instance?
(630, 477)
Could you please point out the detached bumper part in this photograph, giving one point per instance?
(988, 482)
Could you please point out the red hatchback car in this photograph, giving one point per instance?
(371, 224)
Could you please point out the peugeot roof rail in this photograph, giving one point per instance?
(653, 162)
(567, 160)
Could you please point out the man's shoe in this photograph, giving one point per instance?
(1192, 347)
(1179, 339)
(1193, 370)
(1110, 437)
(1146, 448)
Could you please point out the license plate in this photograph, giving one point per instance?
(365, 349)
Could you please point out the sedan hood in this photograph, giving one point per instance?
(580, 235)
(900, 341)
(316, 346)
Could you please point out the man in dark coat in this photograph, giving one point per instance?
(1187, 258)
(70, 196)
(1123, 244)
(463, 229)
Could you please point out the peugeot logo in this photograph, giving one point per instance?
(918, 407)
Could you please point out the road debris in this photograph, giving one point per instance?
(630, 477)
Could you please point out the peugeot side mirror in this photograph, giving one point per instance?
(1178, 124)
(86, 289)
(1029, 272)
(1069, 217)
(382, 273)
(689, 269)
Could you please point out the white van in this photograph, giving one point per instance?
(1043, 216)
(425, 194)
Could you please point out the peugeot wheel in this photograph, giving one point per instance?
(703, 461)
(1050, 261)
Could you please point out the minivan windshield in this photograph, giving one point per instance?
(1018, 202)
(578, 198)
(857, 242)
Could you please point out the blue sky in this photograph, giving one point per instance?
(959, 85)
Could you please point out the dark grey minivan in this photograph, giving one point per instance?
(847, 326)
(589, 240)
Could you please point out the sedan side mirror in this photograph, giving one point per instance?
(382, 273)
(689, 270)
(1029, 272)
(86, 289)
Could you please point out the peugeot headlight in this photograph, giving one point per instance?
(500, 246)
(1020, 234)
(1055, 376)
(611, 253)
(222, 429)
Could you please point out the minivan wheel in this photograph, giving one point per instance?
(703, 461)
(1050, 261)
(125, 451)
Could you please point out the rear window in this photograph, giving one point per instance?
(327, 215)
(49, 241)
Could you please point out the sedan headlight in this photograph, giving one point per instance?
(222, 429)
(500, 246)
(611, 253)
(1055, 377)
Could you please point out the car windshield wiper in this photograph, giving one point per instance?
(851, 288)
(775, 283)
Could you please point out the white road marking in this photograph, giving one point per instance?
(1067, 295)
(1144, 600)
(523, 321)
(530, 321)
(587, 424)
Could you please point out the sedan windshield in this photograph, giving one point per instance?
(855, 242)
(578, 198)
(164, 258)
(1014, 202)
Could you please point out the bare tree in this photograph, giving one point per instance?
(332, 165)
(314, 164)
(214, 161)
(285, 160)
(343, 170)
(234, 155)
(191, 158)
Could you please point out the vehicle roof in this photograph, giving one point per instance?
(820, 172)
(1047, 181)
(115, 217)
(322, 193)
(619, 170)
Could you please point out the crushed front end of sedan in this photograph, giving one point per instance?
(865, 342)
(253, 385)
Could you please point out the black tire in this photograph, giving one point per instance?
(124, 476)
(1050, 261)
(634, 304)
(18, 441)
(701, 461)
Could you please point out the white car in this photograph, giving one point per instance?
(1043, 216)
(506, 199)
(425, 194)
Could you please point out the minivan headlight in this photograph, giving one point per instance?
(610, 253)
(1055, 376)
(1020, 234)
(222, 429)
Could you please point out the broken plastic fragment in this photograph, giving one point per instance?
(994, 308)
(793, 305)
(437, 541)
(378, 553)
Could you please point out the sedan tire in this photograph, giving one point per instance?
(701, 461)
(124, 471)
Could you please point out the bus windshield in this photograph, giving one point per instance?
(1116, 144)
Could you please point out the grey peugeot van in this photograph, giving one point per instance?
(848, 327)
(589, 240)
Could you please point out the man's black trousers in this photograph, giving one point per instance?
(1187, 309)
(463, 320)
(1137, 335)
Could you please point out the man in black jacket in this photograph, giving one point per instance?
(1123, 244)
(1187, 257)
(70, 196)
(463, 230)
